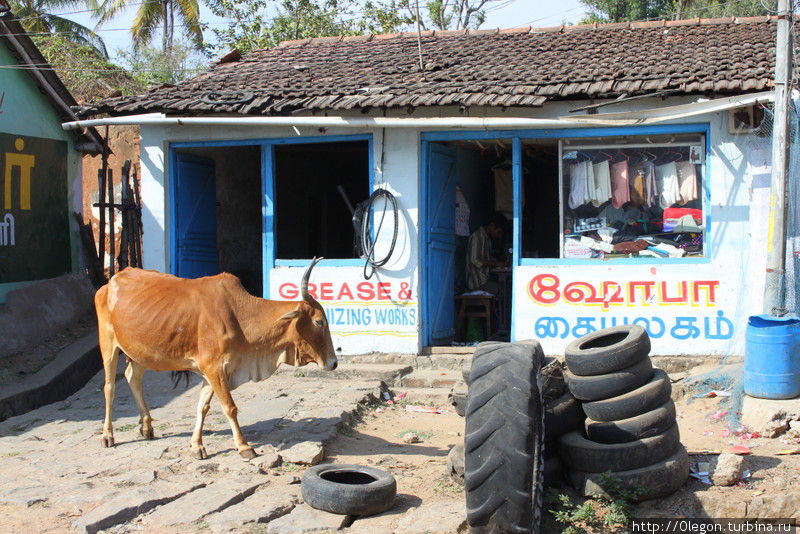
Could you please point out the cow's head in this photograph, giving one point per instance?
(311, 335)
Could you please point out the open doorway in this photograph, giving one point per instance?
(217, 213)
(469, 206)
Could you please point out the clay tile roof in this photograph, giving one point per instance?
(517, 67)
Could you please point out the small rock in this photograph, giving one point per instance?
(727, 469)
(410, 437)
(387, 461)
(794, 426)
(306, 452)
(306, 519)
(776, 426)
(293, 479)
(268, 459)
(434, 518)
(455, 464)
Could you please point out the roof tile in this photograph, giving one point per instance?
(513, 67)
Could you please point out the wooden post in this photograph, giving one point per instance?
(111, 240)
(101, 204)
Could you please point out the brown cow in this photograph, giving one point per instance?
(210, 326)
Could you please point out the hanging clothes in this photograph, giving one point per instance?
(503, 190)
(601, 190)
(462, 214)
(687, 182)
(637, 183)
(578, 184)
(620, 187)
(667, 182)
(650, 186)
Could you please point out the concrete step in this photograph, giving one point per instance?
(431, 361)
(386, 372)
(431, 378)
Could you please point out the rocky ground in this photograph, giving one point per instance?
(55, 477)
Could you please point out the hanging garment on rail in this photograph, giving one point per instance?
(667, 181)
(650, 186)
(637, 185)
(579, 184)
(620, 187)
(601, 190)
(687, 181)
(462, 214)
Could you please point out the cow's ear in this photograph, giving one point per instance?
(291, 315)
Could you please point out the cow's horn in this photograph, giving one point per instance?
(306, 276)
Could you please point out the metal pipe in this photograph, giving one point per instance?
(628, 118)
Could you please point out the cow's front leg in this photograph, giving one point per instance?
(219, 384)
(203, 404)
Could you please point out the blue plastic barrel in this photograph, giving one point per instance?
(772, 357)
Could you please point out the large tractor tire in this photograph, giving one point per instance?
(504, 440)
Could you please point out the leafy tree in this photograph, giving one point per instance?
(37, 19)
(88, 75)
(298, 19)
(624, 10)
(154, 14)
(150, 65)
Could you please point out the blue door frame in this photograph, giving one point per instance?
(268, 259)
(517, 136)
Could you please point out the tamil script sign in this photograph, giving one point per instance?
(34, 218)
(686, 309)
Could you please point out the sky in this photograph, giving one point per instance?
(503, 14)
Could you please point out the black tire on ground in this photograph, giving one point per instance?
(562, 415)
(553, 472)
(579, 454)
(458, 401)
(591, 388)
(504, 440)
(607, 350)
(648, 397)
(637, 427)
(653, 481)
(348, 489)
(455, 464)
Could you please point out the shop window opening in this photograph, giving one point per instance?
(314, 182)
(620, 197)
(470, 204)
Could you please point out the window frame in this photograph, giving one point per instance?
(517, 137)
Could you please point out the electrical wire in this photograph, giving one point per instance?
(367, 239)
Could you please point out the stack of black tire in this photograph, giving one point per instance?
(630, 428)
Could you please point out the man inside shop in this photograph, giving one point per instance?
(480, 261)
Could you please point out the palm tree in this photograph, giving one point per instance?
(153, 14)
(36, 17)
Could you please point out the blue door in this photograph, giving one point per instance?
(440, 244)
(195, 217)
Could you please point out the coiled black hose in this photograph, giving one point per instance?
(364, 226)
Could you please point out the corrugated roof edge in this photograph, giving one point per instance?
(528, 29)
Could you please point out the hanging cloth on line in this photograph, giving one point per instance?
(462, 214)
(687, 182)
(667, 182)
(650, 186)
(637, 183)
(620, 187)
(579, 176)
(601, 190)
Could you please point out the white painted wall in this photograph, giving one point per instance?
(365, 322)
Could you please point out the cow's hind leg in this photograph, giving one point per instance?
(220, 386)
(134, 373)
(203, 404)
(110, 353)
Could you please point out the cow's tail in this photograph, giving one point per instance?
(177, 376)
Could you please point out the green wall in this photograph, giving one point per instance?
(26, 111)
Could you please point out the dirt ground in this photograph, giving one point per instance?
(25, 363)
(420, 468)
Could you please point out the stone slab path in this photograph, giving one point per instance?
(52, 465)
